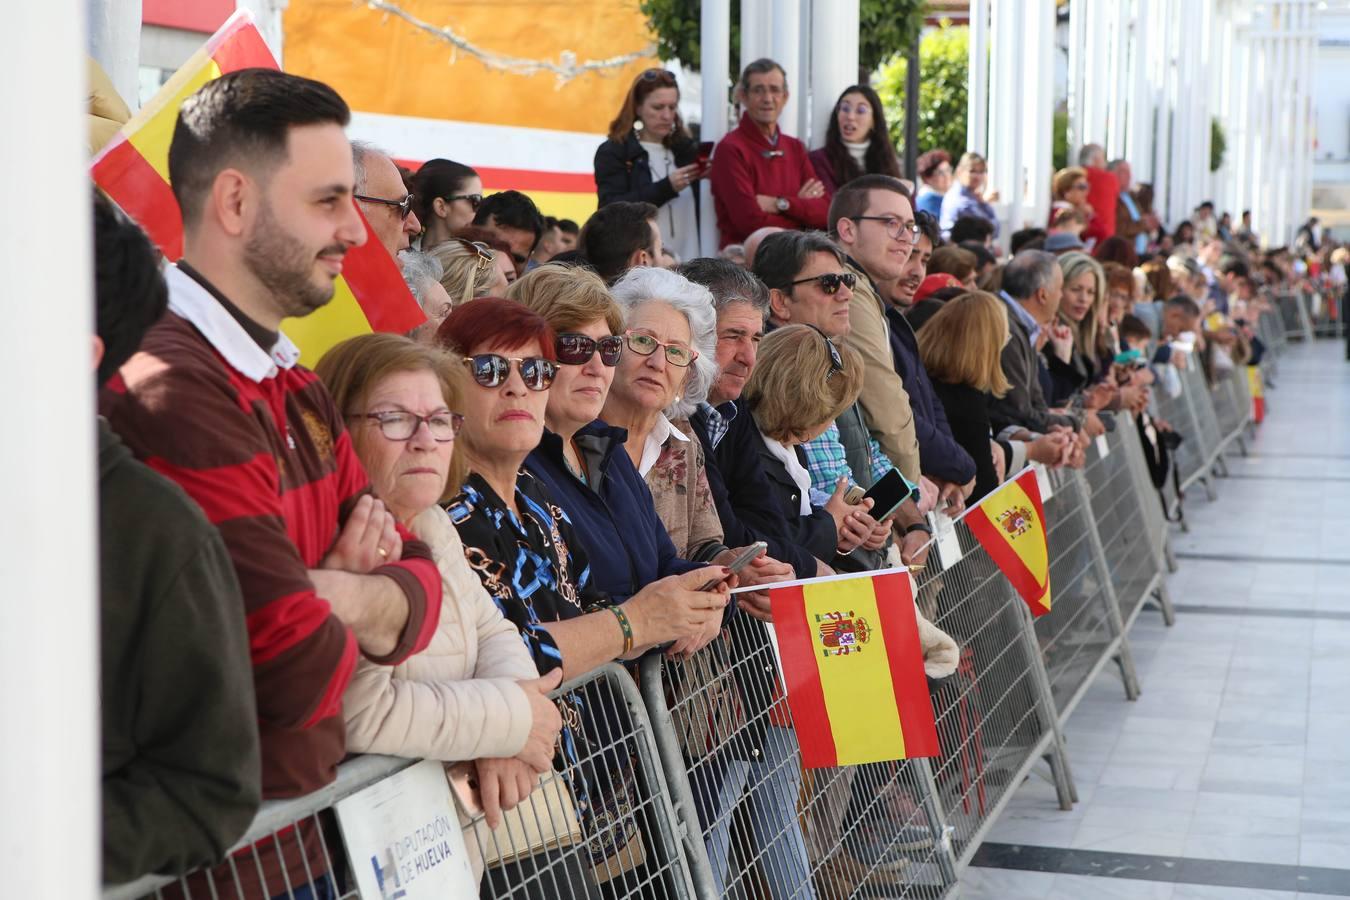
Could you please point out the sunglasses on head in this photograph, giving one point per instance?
(491, 370)
(655, 74)
(577, 349)
(830, 281)
(475, 200)
(836, 361)
(484, 252)
(404, 206)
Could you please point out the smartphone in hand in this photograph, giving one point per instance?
(738, 564)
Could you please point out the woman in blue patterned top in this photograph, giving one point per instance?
(522, 546)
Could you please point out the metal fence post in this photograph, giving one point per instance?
(1124, 658)
(1062, 776)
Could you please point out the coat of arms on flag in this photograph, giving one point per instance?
(853, 668)
(1010, 525)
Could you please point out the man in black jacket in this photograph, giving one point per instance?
(739, 486)
(181, 770)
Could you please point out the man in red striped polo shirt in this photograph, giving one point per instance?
(214, 400)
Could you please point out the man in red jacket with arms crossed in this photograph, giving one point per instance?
(760, 176)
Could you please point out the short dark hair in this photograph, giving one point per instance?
(1117, 250)
(567, 226)
(971, 228)
(851, 200)
(957, 262)
(242, 118)
(129, 290)
(550, 223)
(442, 178)
(614, 233)
(511, 209)
(1184, 304)
(1023, 237)
(1131, 326)
(727, 282)
(783, 254)
(982, 253)
(1233, 265)
(928, 227)
(761, 66)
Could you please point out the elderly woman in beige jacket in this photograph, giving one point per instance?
(474, 693)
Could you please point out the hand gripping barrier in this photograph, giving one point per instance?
(601, 825)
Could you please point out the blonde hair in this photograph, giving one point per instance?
(569, 297)
(352, 369)
(1064, 180)
(466, 274)
(963, 343)
(1087, 334)
(792, 391)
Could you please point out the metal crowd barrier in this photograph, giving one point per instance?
(1294, 315)
(603, 825)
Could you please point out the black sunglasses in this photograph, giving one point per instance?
(830, 281)
(475, 200)
(403, 206)
(653, 74)
(836, 361)
(490, 370)
(577, 349)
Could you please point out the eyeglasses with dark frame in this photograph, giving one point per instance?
(646, 345)
(401, 425)
(475, 200)
(491, 370)
(836, 361)
(403, 206)
(830, 281)
(575, 349)
(894, 227)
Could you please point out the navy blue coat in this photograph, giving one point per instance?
(940, 456)
(746, 499)
(614, 515)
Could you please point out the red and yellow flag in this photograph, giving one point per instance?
(1010, 525)
(1257, 386)
(853, 668)
(133, 169)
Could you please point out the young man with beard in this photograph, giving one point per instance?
(872, 219)
(215, 400)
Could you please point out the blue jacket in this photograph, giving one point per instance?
(940, 456)
(613, 516)
(744, 496)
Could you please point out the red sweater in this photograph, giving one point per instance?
(272, 466)
(746, 164)
(1103, 194)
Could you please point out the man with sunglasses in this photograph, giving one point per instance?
(809, 284)
(382, 198)
(872, 219)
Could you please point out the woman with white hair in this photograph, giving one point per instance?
(422, 273)
(668, 365)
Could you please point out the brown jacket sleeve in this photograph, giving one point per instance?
(884, 401)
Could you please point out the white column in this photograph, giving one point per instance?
(1119, 83)
(1164, 39)
(715, 47)
(1003, 102)
(834, 57)
(977, 97)
(801, 125)
(1078, 52)
(1014, 188)
(49, 644)
(785, 38)
(115, 42)
(1140, 153)
(1039, 113)
(755, 16)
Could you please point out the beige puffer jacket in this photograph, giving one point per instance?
(457, 699)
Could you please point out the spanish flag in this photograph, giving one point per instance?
(1257, 386)
(133, 170)
(1010, 525)
(853, 668)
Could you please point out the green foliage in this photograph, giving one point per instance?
(1059, 150)
(885, 27)
(943, 83)
(1218, 144)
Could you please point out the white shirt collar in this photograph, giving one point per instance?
(661, 432)
(193, 302)
(796, 471)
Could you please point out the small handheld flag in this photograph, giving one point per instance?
(1010, 525)
(853, 669)
(133, 169)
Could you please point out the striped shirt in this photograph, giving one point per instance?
(256, 440)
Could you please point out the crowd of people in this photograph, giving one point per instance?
(407, 550)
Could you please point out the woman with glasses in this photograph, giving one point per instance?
(448, 195)
(966, 196)
(1069, 189)
(524, 548)
(474, 693)
(422, 274)
(650, 158)
(670, 340)
(856, 141)
(469, 269)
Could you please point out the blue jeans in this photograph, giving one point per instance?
(774, 782)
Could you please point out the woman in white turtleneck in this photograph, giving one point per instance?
(857, 142)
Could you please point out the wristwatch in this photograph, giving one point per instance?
(918, 526)
(782, 204)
